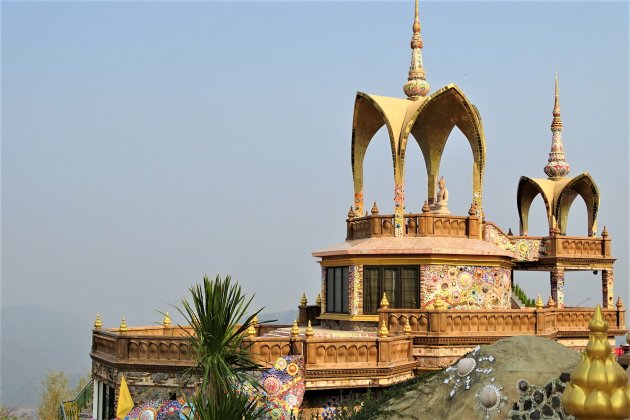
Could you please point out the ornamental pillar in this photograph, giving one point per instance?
(557, 286)
(607, 289)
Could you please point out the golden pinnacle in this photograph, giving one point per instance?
(255, 320)
(551, 303)
(309, 330)
(318, 301)
(123, 326)
(438, 303)
(98, 324)
(384, 301)
(166, 322)
(383, 331)
(303, 301)
(295, 330)
(251, 330)
(539, 302)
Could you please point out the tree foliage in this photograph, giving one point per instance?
(214, 312)
(55, 390)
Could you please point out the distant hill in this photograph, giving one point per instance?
(35, 340)
(286, 317)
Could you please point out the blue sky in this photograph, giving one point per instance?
(147, 144)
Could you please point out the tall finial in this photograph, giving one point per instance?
(416, 86)
(557, 167)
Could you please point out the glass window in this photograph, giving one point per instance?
(337, 289)
(400, 283)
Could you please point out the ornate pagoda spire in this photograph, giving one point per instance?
(557, 167)
(416, 86)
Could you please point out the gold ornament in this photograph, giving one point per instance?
(98, 324)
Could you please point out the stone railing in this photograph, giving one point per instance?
(423, 224)
(150, 346)
(342, 361)
(429, 326)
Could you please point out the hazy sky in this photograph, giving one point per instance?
(147, 144)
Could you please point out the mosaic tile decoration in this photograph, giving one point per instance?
(161, 410)
(466, 287)
(540, 402)
(522, 249)
(355, 284)
(283, 387)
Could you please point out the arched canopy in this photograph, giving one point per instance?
(584, 186)
(558, 196)
(431, 125)
(526, 192)
(430, 120)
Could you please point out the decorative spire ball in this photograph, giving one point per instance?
(598, 387)
(295, 330)
(98, 323)
(416, 87)
(123, 325)
(557, 166)
(166, 322)
(384, 301)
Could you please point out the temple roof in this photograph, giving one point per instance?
(414, 245)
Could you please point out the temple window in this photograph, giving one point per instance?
(337, 289)
(401, 284)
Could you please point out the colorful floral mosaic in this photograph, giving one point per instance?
(161, 410)
(283, 387)
(523, 249)
(358, 203)
(466, 287)
(355, 286)
(399, 210)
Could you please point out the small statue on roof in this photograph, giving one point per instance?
(441, 199)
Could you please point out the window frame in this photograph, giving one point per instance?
(400, 292)
(337, 290)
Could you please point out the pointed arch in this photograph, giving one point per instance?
(368, 118)
(431, 123)
(584, 186)
(526, 192)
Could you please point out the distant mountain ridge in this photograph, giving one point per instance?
(35, 340)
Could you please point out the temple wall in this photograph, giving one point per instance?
(465, 286)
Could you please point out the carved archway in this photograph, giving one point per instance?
(584, 186)
(528, 189)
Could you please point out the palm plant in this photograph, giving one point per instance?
(221, 356)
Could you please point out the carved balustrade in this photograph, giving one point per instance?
(429, 326)
(423, 224)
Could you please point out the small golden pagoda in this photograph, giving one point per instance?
(598, 387)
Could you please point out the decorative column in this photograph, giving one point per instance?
(607, 289)
(96, 385)
(355, 289)
(399, 210)
(557, 286)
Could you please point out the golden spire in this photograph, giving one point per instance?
(251, 330)
(123, 326)
(557, 166)
(303, 301)
(166, 322)
(438, 303)
(318, 301)
(416, 86)
(295, 330)
(539, 302)
(383, 331)
(551, 303)
(384, 301)
(98, 323)
(309, 330)
(598, 386)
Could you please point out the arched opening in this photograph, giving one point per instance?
(378, 174)
(582, 288)
(431, 126)
(533, 283)
(415, 179)
(577, 219)
(458, 176)
(538, 222)
(583, 186)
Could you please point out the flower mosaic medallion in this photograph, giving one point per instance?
(468, 370)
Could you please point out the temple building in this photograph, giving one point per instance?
(406, 293)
